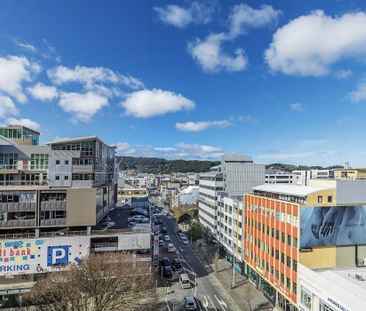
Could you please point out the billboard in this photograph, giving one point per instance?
(332, 226)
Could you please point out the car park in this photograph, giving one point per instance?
(177, 265)
(171, 248)
(167, 238)
(189, 303)
(184, 281)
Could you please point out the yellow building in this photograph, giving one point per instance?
(350, 173)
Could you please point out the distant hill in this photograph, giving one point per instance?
(163, 166)
(290, 167)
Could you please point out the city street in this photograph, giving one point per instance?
(209, 293)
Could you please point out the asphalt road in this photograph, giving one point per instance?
(208, 292)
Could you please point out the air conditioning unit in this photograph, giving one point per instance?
(359, 277)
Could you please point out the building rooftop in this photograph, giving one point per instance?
(70, 140)
(288, 189)
(348, 278)
(233, 157)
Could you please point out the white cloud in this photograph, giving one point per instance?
(343, 74)
(297, 107)
(196, 13)
(24, 45)
(83, 106)
(89, 76)
(196, 148)
(247, 118)
(25, 122)
(7, 107)
(42, 92)
(209, 55)
(359, 94)
(310, 44)
(155, 102)
(243, 16)
(14, 70)
(201, 125)
(179, 151)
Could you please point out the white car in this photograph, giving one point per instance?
(138, 218)
(167, 238)
(170, 247)
(184, 241)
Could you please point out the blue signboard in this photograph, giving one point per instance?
(57, 255)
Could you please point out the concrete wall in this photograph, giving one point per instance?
(81, 207)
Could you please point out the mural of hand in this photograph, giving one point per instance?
(327, 228)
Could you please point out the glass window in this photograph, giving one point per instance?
(295, 242)
(320, 199)
(330, 199)
(305, 297)
(289, 240)
(288, 261)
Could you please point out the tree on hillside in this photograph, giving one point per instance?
(104, 282)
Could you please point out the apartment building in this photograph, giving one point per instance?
(320, 226)
(274, 176)
(303, 177)
(220, 202)
(56, 206)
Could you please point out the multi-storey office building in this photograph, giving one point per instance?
(319, 226)
(52, 202)
(303, 177)
(274, 176)
(210, 185)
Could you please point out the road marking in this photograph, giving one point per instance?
(209, 298)
(205, 303)
(199, 304)
(167, 304)
(222, 303)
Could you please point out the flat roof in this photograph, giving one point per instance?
(346, 277)
(289, 189)
(236, 157)
(67, 140)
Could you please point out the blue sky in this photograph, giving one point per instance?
(282, 81)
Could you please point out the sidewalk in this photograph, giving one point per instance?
(246, 296)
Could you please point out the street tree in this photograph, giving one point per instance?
(98, 283)
(186, 219)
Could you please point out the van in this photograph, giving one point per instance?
(184, 281)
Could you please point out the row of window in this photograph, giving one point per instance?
(274, 272)
(280, 196)
(271, 232)
(270, 213)
(212, 188)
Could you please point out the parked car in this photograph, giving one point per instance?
(190, 303)
(170, 248)
(167, 238)
(131, 224)
(164, 230)
(139, 211)
(161, 243)
(184, 281)
(167, 271)
(177, 265)
(165, 261)
(184, 241)
(136, 217)
(182, 235)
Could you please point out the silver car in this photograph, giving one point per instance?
(190, 303)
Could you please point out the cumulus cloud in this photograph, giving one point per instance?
(297, 107)
(201, 125)
(89, 76)
(42, 92)
(7, 107)
(310, 44)
(359, 94)
(25, 122)
(178, 151)
(180, 17)
(243, 17)
(14, 70)
(83, 106)
(155, 102)
(209, 55)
